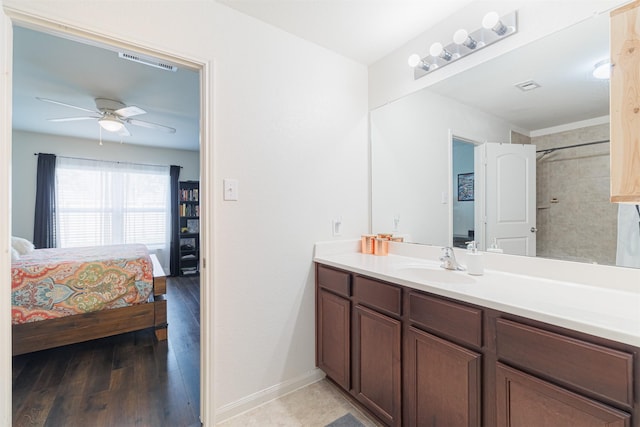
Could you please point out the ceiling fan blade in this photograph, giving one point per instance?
(67, 105)
(72, 119)
(129, 111)
(124, 131)
(150, 125)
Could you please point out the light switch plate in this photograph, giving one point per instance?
(230, 189)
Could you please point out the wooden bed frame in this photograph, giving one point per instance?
(35, 336)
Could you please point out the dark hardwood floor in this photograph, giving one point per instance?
(126, 380)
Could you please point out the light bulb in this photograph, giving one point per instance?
(491, 21)
(460, 36)
(436, 49)
(414, 60)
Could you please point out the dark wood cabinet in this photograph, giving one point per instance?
(526, 401)
(594, 370)
(412, 358)
(377, 376)
(333, 337)
(189, 214)
(443, 382)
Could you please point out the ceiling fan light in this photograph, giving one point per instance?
(110, 124)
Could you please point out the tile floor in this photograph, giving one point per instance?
(315, 405)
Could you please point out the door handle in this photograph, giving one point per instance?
(533, 229)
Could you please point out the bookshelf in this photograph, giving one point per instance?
(189, 212)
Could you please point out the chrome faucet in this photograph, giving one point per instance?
(448, 259)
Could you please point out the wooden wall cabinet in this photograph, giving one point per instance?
(625, 104)
(416, 359)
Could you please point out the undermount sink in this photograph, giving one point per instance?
(435, 274)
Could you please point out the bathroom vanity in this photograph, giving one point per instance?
(417, 345)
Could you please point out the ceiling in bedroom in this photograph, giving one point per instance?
(74, 73)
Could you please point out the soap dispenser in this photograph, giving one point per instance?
(475, 262)
(494, 247)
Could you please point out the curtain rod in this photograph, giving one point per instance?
(108, 161)
(551, 150)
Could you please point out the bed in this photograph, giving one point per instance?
(66, 296)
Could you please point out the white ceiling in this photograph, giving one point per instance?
(363, 30)
(76, 73)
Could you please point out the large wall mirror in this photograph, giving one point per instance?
(425, 176)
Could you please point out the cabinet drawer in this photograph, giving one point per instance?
(588, 367)
(378, 295)
(456, 321)
(334, 280)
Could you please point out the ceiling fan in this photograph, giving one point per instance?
(112, 116)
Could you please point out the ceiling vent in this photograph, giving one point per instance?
(152, 62)
(527, 86)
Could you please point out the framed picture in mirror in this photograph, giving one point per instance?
(465, 187)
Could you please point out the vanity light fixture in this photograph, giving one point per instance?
(602, 69)
(494, 28)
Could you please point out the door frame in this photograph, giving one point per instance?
(11, 18)
(478, 186)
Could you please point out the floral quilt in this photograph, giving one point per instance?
(52, 283)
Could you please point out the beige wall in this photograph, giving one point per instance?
(575, 220)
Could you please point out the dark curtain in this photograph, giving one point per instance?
(44, 228)
(174, 173)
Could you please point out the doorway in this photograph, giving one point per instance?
(200, 68)
(463, 191)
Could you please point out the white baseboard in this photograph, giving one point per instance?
(254, 400)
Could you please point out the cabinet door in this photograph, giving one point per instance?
(625, 104)
(333, 337)
(443, 382)
(377, 363)
(524, 400)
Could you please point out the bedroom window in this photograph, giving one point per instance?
(108, 203)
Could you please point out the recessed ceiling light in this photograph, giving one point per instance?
(602, 69)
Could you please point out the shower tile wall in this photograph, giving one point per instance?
(575, 219)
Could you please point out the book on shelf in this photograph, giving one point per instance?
(189, 210)
(189, 195)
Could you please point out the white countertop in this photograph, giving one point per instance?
(611, 312)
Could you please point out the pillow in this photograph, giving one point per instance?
(14, 255)
(23, 246)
